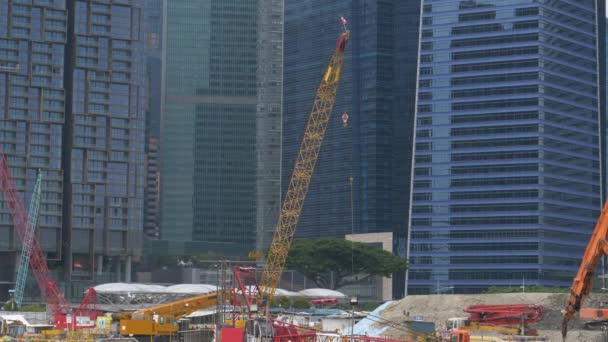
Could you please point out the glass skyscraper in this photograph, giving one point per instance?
(71, 106)
(377, 91)
(507, 155)
(104, 135)
(220, 121)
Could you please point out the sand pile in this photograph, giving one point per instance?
(438, 308)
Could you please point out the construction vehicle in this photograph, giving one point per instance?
(582, 283)
(598, 318)
(507, 319)
(60, 308)
(261, 327)
(161, 320)
(460, 336)
(303, 170)
(466, 336)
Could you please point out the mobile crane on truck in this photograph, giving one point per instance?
(582, 283)
(161, 320)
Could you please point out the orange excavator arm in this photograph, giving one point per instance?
(582, 284)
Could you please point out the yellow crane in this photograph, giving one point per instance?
(303, 170)
(160, 320)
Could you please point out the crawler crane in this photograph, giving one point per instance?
(303, 170)
(262, 326)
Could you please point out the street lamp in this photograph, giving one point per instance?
(353, 302)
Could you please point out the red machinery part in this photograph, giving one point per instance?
(47, 285)
(245, 287)
(324, 301)
(505, 314)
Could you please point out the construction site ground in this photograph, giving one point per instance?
(438, 308)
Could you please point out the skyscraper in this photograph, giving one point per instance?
(220, 124)
(377, 92)
(103, 156)
(73, 76)
(507, 163)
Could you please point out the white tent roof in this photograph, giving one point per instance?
(184, 289)
(277, 292)
(285, 293)
(191, 288)
(10, 319)
(321, 293)
(130, 287)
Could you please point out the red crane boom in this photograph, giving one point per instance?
(14, 203)
(507, 314)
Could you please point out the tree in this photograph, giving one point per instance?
(349, 261)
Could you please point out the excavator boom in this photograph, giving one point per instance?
(582, 284)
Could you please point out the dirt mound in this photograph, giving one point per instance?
(438, 308)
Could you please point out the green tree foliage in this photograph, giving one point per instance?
(349, 261)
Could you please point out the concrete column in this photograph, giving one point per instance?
(128, 270)
(99, 264)
(118, 269)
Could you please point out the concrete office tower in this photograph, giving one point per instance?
(219, 129)
(377, 91)
(71, 79)
(507, 162)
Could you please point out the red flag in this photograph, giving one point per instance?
(343, 20)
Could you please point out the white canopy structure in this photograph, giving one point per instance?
(321, 293)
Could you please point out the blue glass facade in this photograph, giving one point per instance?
(104, 137)
(72, 106)
(507, 159)
(377, 90)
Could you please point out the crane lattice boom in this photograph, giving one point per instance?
(14, 203)
(302, 172)
(26, 249)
